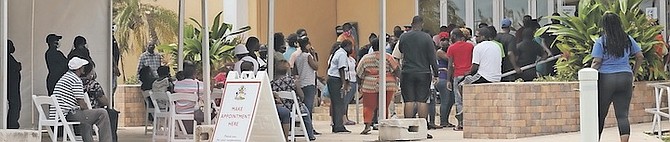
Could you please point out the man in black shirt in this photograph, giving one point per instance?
(56, 61)
(549, 39)
(529, 51)
(419, 68)
(509, 46)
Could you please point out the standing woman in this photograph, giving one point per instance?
(615, 85)
(368, 70)
(306, 66)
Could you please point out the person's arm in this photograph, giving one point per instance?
(546, 49)
(432, 59)
(312, 62)
(513, 59)
(639, 58)
(597, 53)
(342, 63)
(474, 68)
(450, 72)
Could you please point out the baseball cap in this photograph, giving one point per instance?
(506, 23)
(76, 63)
(53, 37)
(240, 49)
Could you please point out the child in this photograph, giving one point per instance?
(220, 78)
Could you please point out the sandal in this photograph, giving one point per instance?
(458, 128)
(350, 123)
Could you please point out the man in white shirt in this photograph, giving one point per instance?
(338, 84)
(486, 59)
(243, 55)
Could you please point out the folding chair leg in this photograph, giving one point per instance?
(146, 121)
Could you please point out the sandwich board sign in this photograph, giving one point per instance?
(248, 111)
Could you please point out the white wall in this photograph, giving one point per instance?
(69, 18)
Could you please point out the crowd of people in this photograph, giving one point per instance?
(424, 68)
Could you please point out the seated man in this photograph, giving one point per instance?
(284, 82)
(100, 100)
(189, 85)
(69, 92)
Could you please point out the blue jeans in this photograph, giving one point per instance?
(308, 125)
(446, 101)
(431, 107)
(310, 93)
(458, 97)
(350, 96)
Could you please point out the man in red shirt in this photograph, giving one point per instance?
(459, 56)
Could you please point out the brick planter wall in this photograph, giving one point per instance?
(129, 101)
(516, 110)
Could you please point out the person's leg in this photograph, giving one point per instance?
(431, 108)
(621, 100)
(347, 99)
(422, 91)
(370, 103)
(114, 123)
(14, 111)
(309, 126)
(458, 99)
(446, 101)
(285, 118)
(407, 85)
(310, 93)
(89, 117)
(337, 106)
(605, 90)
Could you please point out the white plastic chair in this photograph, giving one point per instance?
(149, 110)
(43, 120)
(180, 118)
(660, 89)
(296, 115)
(161, 129)
(59, 120)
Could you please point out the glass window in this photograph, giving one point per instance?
(541, 8)
(456, 12)
(483, 12)
(429, 10)
(515, 10)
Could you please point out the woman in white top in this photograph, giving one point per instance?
(305, 66)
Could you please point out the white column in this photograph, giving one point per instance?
(497, 13)
(180, 54)
(663, 16)
(470, 15)
(382, 51)
(3, 65)
(532, 6)
(206, 77)
(588, 104)
(416, 7)
(551, 4)
(444, 13)
(271, 39)
(235, 12)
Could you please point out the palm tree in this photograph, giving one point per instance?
(138, 24)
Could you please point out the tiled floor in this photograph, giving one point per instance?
(136, 134)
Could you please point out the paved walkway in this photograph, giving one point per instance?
(136, 134)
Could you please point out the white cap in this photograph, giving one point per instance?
(76, 63)
(241, 49)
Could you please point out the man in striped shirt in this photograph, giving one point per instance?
(69, 95)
